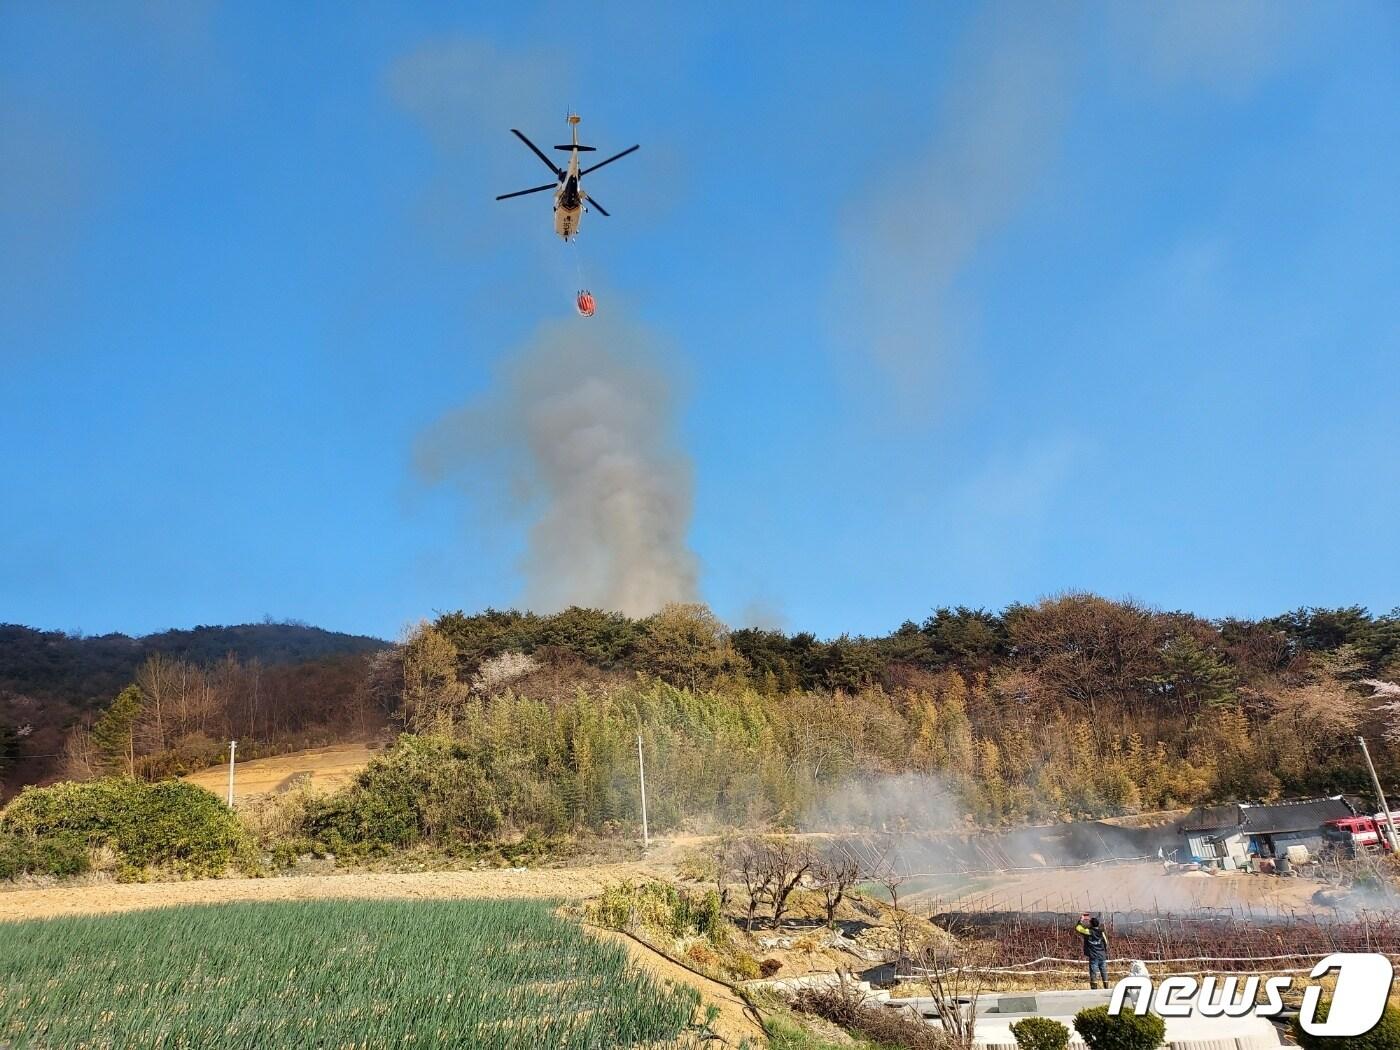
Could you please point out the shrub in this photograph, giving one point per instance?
(171, 825)
(661, 908)
(60, 855)
(187, 754)
(1040, 1033)
(742, 966)
(428, 789)
(769, 967)
(702, 955)
(1125, 1032)
(845, 1007)
(1385, 1036)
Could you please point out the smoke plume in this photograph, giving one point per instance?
(917, 229)
(581, 432)
(886, 802)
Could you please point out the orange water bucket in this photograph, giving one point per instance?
(586, 305)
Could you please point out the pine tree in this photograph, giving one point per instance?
(114, 732)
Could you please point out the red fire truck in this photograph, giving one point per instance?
(1355, 835)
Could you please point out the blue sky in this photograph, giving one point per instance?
(957, 304)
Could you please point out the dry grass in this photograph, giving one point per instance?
(319, 768)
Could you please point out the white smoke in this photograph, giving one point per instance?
(886, 803)
(582, 431)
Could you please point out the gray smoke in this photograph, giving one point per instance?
(581, 432)
(916, 230)
(906, 290)
(1225, 45)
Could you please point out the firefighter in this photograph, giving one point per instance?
(1095, 948)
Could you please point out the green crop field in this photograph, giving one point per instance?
(328, 974)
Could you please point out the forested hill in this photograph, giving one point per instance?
(50, 679)
(76, 669)
(1074, 706)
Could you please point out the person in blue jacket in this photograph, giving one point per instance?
(1095, 948)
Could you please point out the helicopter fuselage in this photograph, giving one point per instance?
(568, 202)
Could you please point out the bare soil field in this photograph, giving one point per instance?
(561, 883)
(324, 769)
(1123, 887)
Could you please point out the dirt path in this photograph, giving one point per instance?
(561, 883)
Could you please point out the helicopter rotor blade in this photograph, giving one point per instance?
(594, 204)
(521, 193)
(539, 153)
(617, 156)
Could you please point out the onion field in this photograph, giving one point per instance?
(344, 974)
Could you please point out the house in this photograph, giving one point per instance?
(1232, 834)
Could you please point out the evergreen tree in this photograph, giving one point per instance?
(114, 732)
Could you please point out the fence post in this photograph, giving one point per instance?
(642, 776)
(232, 747)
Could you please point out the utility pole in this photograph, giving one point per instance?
(232, 747)
(642, 774)
(1390, 833)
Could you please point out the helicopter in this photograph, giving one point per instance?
(569, 198)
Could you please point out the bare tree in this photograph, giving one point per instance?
(1389, 695)
(383, 681)
(754, 874)
(955, 980)
(196, 701)
(881, 860)
(787, 861)
(722, 863)
(1089, 649)
(81, 760)
(883, 863)
(835, 869)
(159, 680)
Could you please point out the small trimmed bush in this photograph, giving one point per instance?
(171, 825)
(1385, 1036)
(1101, 1031)
(1040, 1033)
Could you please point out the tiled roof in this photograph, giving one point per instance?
(1293, 816)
